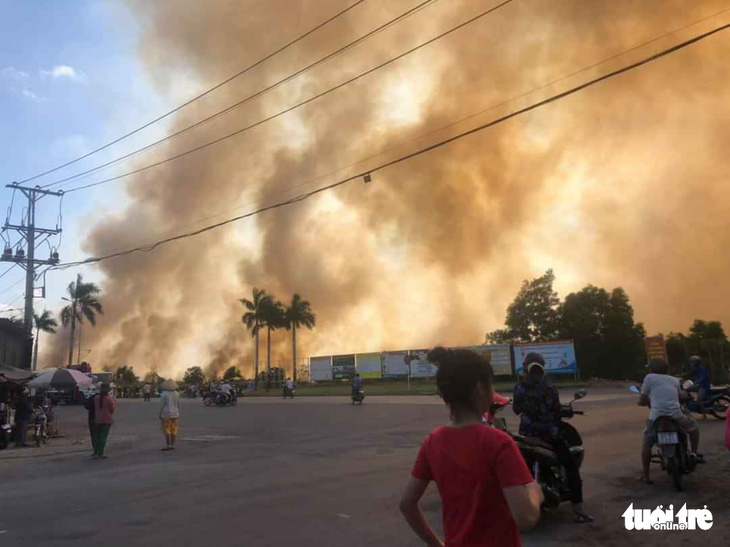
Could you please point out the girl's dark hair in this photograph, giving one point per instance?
(657, 365)
(459, 372)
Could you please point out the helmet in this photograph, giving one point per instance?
(533, 359)
(695, 360)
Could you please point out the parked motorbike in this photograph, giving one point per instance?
(540, 455)
(716, 403)
(358, 397)
(672, 450)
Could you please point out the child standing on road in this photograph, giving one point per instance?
(486, 489)
(170, 413)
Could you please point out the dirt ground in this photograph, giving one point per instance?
(313, 471)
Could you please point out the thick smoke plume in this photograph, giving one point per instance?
(623, 184)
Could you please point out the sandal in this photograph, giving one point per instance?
(582, 518)
(166, 449)
(645, 480)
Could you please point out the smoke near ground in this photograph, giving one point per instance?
(623, 184)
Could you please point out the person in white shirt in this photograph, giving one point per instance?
(227, 389)
(661, 393)
(170, 413)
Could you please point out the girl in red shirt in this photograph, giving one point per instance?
(486, 490)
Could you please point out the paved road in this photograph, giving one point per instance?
(312, 471)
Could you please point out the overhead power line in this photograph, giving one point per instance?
(251, 97)
(446, 126)
(307, 195)
(199, 96)
(18, 282)
(294, 107)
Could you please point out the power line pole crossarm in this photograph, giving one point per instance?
(28, 260)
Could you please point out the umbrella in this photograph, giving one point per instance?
(60, 378)
(15, 374)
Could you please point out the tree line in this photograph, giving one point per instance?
(264, 311)
(608, 341)
(83, 304)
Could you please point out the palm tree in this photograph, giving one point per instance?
(254, 319)
(44, 322)
(297, 314)
(273, 319)
(82, 303)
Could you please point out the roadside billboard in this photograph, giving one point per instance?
(368, 365)
(343, 367)
(498, 355)
(655, 347)
(320, 369)
(421, 367)
(395, 364)
(559, 356)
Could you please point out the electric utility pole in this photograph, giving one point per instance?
(27, 260)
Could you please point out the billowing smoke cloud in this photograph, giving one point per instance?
(623, 184)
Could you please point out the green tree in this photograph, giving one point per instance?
(255, 319)
(194, 376)
(533, 315)
(273, 317)
(608, 343)
(708, 339)
(83, 303)
(231, 372)
(297, 314)
(676, 344)
(44, 322)
(153, 379)
(125, 377)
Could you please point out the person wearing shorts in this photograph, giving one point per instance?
(660, 392)
(170, 413)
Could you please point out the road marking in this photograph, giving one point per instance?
(343, 515)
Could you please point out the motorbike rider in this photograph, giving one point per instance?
(661, 393)
(227, 390)
(538, 404)
(356, 385)
(701, 379)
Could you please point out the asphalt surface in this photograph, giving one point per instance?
(313, 471)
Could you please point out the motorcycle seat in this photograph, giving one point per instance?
(533, 441)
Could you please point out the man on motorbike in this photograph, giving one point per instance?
(227, 389)
(701, 379)
(538, 404)
(661, 393)
(356, 385)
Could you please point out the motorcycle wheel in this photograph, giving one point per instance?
(674, 468)
(719, 408)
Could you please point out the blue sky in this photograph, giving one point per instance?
(69, 81)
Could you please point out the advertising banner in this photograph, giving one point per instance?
(421, 367)
(559, 356)
(499, 356)
(655, 347)
(320, 369)
(395, 364)
(368, 365)
(343, 367)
